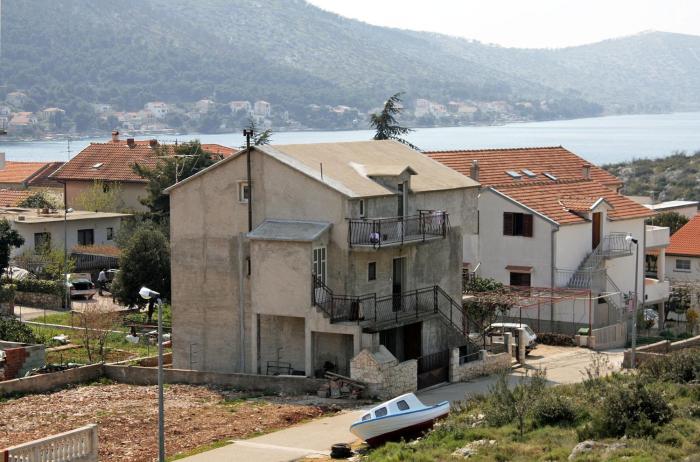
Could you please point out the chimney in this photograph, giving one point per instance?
(153, 143)
(130, 142)
(587, 171)
(2, 160)
(115, 136)
(474, 171)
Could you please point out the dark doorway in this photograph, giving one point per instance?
(596, 229)
(433, 369)
(398, 273)
(412, 340)
(388, 339)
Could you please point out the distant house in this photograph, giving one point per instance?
(112, 163)
(686, 208)
(16, 98)
(244, 106)
(262, 108)
(22, 122)
(159, 109)
(683, 254)
(204, 106)
(52, 117)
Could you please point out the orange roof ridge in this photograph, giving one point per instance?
(524, 184)
(533, 148)
(686, 241)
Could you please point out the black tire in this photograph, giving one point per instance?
(341, 451)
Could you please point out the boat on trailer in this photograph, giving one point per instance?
(402, 417)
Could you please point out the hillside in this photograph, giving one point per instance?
(69, 53)
(676, 177)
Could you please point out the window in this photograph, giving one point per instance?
(402, 405)
(550, 176)
(513, 174)
(42, 242)
(372, 271)
(520, 279)
(319, 263)
(529, 173)
(86, 236)
(110, 234)
(682, 265)
(381, 412)
(400, 199)
(366, 417)
(517, 224)
(243, 192)
(105, 187)
(362, 208)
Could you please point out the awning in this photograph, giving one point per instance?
(519, 269)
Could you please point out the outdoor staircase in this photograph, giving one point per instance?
(374, 313)
(591, 273)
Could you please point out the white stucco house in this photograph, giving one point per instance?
(548, 220)
(682, 258)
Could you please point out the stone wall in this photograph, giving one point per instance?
(654, 350)
(38, 300)
(47, 382)
(383, 374)
(20, 358)
(486, 364)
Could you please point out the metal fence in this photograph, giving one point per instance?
(397, 230)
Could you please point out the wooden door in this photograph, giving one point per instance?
(597, 223)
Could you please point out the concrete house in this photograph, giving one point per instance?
(682, 258)
(349, 246)
(550, 220)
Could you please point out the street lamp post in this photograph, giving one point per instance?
(635, 300)
(66, 211)
(148, 294)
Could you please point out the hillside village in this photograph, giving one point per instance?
(366, 262)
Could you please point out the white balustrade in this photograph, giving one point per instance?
(79, 445)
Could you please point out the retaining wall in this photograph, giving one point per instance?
(39, 300)
(487, 364)
(662, 348)
(21, 358)
(47, 382)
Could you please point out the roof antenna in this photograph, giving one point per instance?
(321, 171)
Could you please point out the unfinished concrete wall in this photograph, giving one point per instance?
(337, 349)
(281, 339)
(20, 358)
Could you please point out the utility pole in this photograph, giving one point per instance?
(635, 301)
(248, 133)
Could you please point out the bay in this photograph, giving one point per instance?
(600, 140)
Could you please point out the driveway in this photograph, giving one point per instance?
(563, 364)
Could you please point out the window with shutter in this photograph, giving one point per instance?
(527, 225)
(508, 223)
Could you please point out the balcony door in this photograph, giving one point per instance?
(597, 224)
(319, 263)
(397, 281)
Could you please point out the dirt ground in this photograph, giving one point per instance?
(127, 417)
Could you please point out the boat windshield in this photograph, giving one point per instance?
(366, 417)
(381, 412)
(402, 405)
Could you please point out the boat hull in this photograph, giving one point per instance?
(378, 431)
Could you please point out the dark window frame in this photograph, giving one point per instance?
(518, 224)
(372, 271)
(83, 234)
(518, 279)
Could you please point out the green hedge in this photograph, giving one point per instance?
(7, 292)
(38, 286)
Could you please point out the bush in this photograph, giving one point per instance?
(12, 330)
(555, 339)
(630, 409)
(39, 286)
(554, 410)
(7, 292)
(678, 367)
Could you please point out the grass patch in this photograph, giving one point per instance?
(199, 450)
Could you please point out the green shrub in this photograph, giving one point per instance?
(554, 410)
(39, 286)
(630, 409)
(678, 367)
(7, 292)
(12, 330)
(555, 339)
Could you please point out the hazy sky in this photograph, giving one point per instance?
(526, 23)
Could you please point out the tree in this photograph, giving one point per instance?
(673, 220)
(96, 321)
(259, 138)
(9, 238)
(144, 262)
(188, 159)
(489, 300)
(101, 197)
(39, 200)
(385, 122)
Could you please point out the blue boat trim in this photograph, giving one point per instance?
(400, 414)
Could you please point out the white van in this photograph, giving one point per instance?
(496, 330)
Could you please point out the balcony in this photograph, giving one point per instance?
(397, 231)
(655, 291)
(657, 236)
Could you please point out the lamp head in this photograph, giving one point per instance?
(630, 239)
(147, 293)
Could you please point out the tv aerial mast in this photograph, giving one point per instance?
(3, 128)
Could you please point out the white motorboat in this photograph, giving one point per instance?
(403, 416)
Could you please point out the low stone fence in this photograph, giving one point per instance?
(39, 300)
(486, 364)
(79, 445)
(43, 383)
(20, 358)
(383, 374)
(655, 350)
(138, 375)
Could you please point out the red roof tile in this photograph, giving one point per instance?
(548, 198)
(41, 179)
(114, 161)
(12, 197)
(686, 241)
(494, 163)
(19, 172)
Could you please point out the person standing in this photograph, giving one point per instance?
(101, 281)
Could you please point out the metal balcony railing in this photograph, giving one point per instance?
(371, 311)
(398, 230)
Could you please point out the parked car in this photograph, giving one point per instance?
(80, 285)
(17, 274)
(496, 330)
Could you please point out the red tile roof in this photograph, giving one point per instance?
(19, 172)
(686, 241)
(556, 199)
(493, 164)
(12, 198)
(113, 161)
(41, 179)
